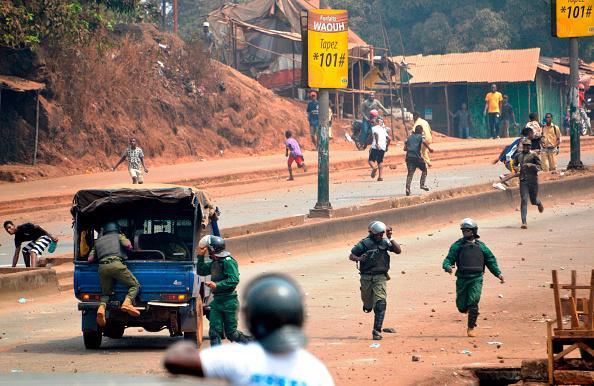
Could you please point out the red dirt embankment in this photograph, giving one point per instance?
(137, 81)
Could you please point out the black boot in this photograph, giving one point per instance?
(240, 337)
(473, 313)
(215, 338)
(380, 312)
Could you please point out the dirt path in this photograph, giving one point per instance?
(43, 334)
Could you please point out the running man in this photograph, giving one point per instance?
(529, 164)
(506, 157)
(414, 159)
(135, 158)
(379, 146)
(294, 154)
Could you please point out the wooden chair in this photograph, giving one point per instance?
(578, 334)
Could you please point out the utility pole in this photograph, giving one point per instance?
(323, 206)
(574, 141)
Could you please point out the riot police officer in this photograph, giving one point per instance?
(373, 260)
(274, 313)
(224, 275)
(110, 250)
(470, 256)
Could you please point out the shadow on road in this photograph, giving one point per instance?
(75, 345)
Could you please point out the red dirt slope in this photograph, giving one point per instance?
(138, 82)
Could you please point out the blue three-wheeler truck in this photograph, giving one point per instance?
(164, 224)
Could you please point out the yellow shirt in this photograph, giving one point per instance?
(551, 136)
(493, 99)
(426, 129)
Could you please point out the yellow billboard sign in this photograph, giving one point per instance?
(327, 48)
(572, 18)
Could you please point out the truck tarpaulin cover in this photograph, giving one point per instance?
(111, 201)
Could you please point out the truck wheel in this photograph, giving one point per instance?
(198, 335)
(92, 339)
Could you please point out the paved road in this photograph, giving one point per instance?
(282, 199)
(43, 335)
(195, 170)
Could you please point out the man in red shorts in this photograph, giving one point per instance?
(293, 151)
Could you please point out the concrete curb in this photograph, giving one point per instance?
(289, 239)
(34, 280)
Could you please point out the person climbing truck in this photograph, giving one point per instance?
(110, 251)
(224, 275)
(470, 256)
(373, 259)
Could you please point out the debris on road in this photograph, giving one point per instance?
(416, 358)
(374, 345)
(466, 352)
(22, 300)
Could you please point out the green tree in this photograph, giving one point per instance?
(487, 31)
(433, 35)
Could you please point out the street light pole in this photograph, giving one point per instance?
(575, 161)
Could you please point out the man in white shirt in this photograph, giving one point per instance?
(274, 313)
(380, 143)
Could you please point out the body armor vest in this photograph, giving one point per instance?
(377, 260)
(217, 272)
(109, 245)
(470, 258)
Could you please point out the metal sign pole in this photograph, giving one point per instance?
(323, 205)
(575, 161)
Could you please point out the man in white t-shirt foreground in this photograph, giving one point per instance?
(273, 311)
(380, 143)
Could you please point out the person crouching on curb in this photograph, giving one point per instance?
(470, 256)
(293, 153)
(110, 250)
(373, 260)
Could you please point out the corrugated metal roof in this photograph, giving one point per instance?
(474, 67)
(19, 84)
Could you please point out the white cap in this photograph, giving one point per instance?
(206, 24)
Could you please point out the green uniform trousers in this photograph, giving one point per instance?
(373, 288)
(223, 316)
(112, 269)
(468, 292)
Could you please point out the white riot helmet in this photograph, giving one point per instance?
(377, 227)
(370, 225)
(468, 223)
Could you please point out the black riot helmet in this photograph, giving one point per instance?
(216, 244)
(274, 312)
(110, 227)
